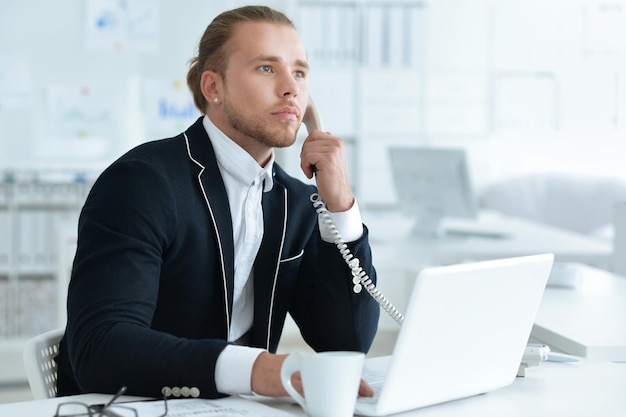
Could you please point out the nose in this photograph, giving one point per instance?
(289, 86)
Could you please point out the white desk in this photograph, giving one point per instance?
(593, 389)
(391, 240)
(398, 255)
(587, 319)
(590, 389)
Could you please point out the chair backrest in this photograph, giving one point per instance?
(619, 239)
(41, 369)
(577, 202)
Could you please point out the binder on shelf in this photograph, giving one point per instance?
(33, 204)
(329, 33)
(5, 241)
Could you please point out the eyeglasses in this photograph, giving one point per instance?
(79, 409)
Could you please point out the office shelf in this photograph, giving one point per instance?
(34, 205)
(368, 60)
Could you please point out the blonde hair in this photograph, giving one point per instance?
(212, 53)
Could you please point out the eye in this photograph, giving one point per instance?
(265, 68)
(299, 74)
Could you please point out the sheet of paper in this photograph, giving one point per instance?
(225, 407)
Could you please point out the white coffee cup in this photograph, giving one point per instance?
(330, 381)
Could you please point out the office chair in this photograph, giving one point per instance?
(618, 261)
(41, 369)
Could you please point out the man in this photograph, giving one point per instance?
(192, 250)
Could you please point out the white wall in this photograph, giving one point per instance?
(46, 58)
(529, 85)
(522, 84)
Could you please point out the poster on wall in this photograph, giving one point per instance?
(16, 95)
(604, 28)
(81, 121)
(121, 26)
(525, 101)
(168, 107)
(15, 76)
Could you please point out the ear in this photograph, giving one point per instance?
(211, 86)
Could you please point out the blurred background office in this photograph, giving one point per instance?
(533, 91)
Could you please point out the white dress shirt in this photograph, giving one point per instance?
(245, 181)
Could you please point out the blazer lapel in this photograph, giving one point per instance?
(212, 187)
(267, 263)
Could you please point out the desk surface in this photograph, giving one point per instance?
(588, 388)
(391, 238)
(398, 255)
(586, 318)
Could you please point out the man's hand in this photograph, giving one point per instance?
(266, 375)
(266, 378)
(323, 155)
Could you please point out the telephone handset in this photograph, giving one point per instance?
(360, 279)
(311, 117)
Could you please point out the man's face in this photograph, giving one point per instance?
(265, 91)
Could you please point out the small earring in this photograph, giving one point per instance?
(215, 99)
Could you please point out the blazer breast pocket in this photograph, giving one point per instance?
(293, 258)
(289, 269)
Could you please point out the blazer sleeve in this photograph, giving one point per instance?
(330, 315)
(124, 229)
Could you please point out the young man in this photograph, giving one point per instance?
(192, 250)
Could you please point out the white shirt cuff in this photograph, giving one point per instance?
(233, 369)
(348, 224)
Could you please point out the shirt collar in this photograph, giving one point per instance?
(236, 160)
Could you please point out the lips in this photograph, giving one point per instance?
(287, 113)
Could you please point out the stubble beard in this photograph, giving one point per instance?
(259, 130)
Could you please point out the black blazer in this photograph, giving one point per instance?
(150, 297)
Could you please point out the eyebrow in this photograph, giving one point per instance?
(272, 58)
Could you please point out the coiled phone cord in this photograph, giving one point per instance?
(360, 278)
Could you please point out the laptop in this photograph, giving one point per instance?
(464, 333)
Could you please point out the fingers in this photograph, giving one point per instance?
(266, 378)
(323, 155)
(322, 151)
(365, 390)
(296, 381)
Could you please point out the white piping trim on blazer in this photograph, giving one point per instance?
(219, 240)
(282, 243)
(293, 257)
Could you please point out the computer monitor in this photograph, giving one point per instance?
(431, 184)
